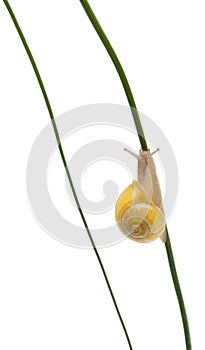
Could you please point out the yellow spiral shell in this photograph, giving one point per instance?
(137, 217)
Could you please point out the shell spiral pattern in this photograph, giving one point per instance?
(137, 217)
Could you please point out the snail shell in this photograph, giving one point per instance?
(138, 212)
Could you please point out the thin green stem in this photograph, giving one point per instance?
(142, 140)
(119, 69)
(28, 51)
(178, 292)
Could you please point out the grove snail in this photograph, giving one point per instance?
(138, 211)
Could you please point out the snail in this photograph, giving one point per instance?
(138, 211)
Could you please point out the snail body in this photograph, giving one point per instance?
(138, 211)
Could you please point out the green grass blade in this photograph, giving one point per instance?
(119, 69)
(28, 51)
(143, 143)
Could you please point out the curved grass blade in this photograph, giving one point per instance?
(28, 51)
(142, 140)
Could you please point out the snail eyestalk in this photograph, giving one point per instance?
(135, 155)
(157, 150)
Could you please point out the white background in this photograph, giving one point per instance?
(53, 296)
